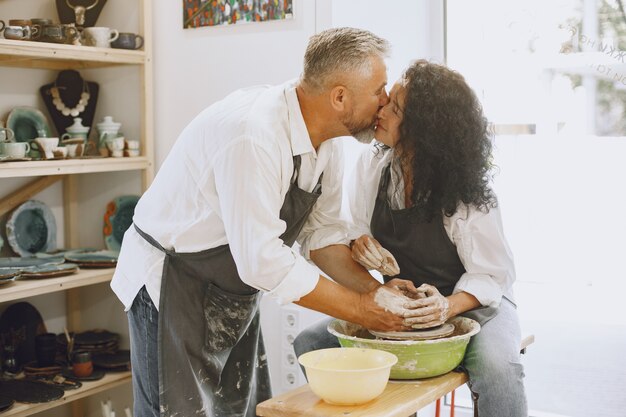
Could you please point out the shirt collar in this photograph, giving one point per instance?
(300, 139)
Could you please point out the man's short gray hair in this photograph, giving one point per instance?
(336, 52)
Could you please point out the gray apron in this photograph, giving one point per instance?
(423, 250)
(212, 360)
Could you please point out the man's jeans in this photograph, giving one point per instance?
(143, 320)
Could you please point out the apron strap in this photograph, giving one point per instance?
(152, 241)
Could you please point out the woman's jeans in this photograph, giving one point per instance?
(143, 320)
(492, 361)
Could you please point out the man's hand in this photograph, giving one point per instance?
(369, 253)
(429, 311)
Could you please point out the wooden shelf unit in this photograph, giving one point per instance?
(48, 56)
(109, 381)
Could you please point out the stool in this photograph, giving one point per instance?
(400, 398)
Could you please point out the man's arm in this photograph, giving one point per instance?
(335, 300)
(336, 261)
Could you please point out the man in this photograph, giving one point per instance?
(245, 178)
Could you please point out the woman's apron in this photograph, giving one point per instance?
(212, 360)
(423, 251)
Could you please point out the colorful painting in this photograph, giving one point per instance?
(197, 13)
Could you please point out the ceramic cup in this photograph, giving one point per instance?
(46, 349)
(6, 134)
(55, 33)
(14, 149)
(100, 37)
(82, 366)
(60, 152)
(116, 146)
(2, 25)
(21, 33)
(40, 21)
(128, 41)
(75, 150)
(47, 145)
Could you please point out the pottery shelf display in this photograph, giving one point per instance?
(77, 27)
(75, 180)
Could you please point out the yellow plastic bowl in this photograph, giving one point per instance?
(347, 376)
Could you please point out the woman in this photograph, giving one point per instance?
(421, 192)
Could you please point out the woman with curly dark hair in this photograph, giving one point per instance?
(423, 210)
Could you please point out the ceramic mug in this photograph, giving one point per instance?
(14, 149)
(20, 33)
(6, 134)
(75, 150)
(55, 33)
(2, 25)
(128, 41)
(116, 146)
(47, 145)
(100, 37)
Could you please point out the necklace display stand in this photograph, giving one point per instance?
(70, 96)
(84, 13)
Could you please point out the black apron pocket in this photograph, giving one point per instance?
(227, 316)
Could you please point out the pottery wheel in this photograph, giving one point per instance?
(417, 334)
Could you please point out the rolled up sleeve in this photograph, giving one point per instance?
(485, 253)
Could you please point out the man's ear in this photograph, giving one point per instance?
(339, 97)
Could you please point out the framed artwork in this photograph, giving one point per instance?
(197, 13)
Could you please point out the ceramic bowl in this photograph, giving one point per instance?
(347, 376)
(416, 358)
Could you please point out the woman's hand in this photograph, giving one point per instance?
(431, 310)
(369, 253)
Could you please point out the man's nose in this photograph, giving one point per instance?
(384, 99)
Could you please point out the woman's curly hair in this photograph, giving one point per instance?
(444, 142)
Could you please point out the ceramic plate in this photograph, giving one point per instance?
(10, 159)
(97, 259)
(28, 123)
(5, 402)
(31, 228)
(434, 333)
(95, 375)
(21, 263)
(6, 280)
(49, 271)
(117, 219)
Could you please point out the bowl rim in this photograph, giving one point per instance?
(392, 357)
(475, 329)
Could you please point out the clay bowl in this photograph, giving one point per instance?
(347, 376)
(416, 358)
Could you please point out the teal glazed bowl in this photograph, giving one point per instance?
(416, 358)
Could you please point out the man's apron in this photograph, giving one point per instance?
(424, 251)
(212, 360)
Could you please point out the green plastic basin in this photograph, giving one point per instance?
(416, 358)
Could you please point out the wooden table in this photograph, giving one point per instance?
(400, 399)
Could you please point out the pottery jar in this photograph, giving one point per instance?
(82, 366)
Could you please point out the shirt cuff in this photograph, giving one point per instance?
(483, 287)
(322, 239)
(301, 280)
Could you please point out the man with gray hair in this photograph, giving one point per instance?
(248, 177)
